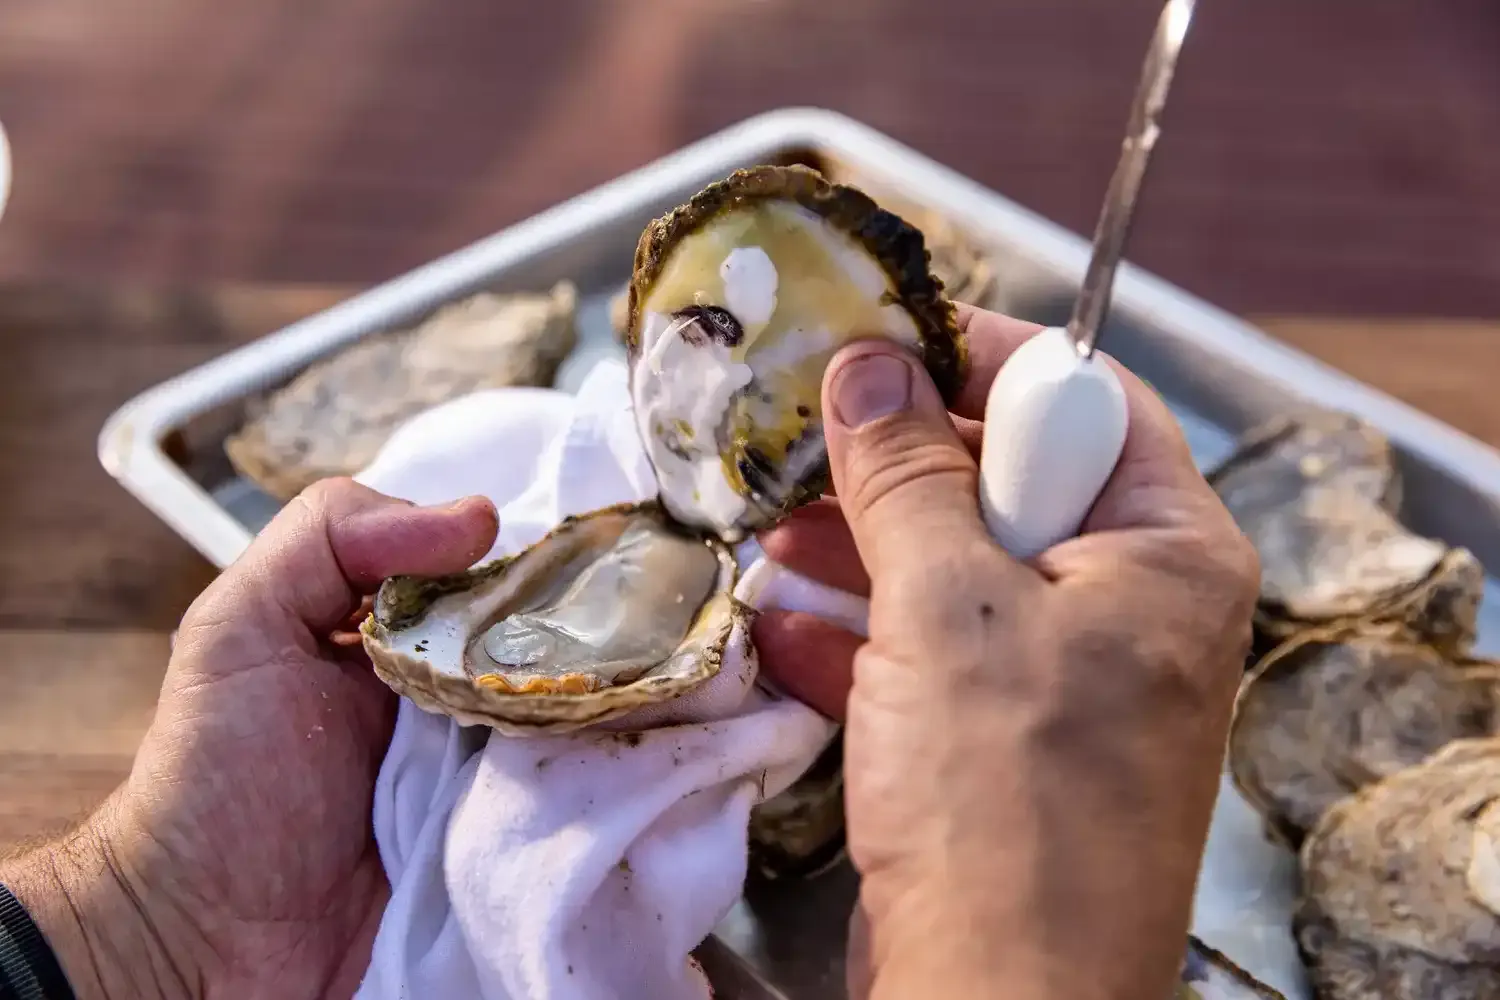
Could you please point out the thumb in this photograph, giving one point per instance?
(335, 542)
(905, 481)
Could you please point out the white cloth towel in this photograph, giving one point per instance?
(589, 865)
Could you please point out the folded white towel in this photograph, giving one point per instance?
(588, 865)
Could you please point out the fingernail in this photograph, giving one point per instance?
(870, 387)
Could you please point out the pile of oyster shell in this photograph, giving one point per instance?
(1366, 733)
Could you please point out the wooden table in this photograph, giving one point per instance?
(91, 583)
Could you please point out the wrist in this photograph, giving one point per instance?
(100, 927)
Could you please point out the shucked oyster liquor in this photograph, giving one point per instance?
(1317, 495)
(332, 419)
(737, 302)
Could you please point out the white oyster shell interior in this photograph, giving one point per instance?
(613, 597)
(734, 336)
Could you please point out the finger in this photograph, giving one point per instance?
(1156, 483)
(993, 338)
(907, 485)
(348, 634)
(815, 541)
(335, 542)
(807, 657)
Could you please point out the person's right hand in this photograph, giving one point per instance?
(1033, 749)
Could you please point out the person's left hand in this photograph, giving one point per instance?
(238, 858)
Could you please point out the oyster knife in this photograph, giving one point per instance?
(1055, 418)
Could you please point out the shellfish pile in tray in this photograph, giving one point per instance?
(1366, 733)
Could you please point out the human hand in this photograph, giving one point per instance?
(238, 858)
(1032, 749)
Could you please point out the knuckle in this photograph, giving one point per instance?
(901, 467)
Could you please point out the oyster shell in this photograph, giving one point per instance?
(800, 833)
(1316, 494)
(1328, 713)
(332, 419)
(967, 272)
(543, 641)
(1209, 975)
(1401, 884)
(737, 302)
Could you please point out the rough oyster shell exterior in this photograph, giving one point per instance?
(1317, 495)
(1332, 711)
(1401, 884)
(332, 419)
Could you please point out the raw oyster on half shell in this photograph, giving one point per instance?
(737, 303)
(1329, 713)
(1317, 495)
(333, 418)
(1401, 884)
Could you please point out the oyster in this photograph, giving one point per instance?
(1401, 884)
(1208, 975)
(1317, 494)
(737, 302)
(1328, 713)
(800, 833)
(332, 419)
(966, 271)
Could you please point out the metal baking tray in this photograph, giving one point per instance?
(1219, 374)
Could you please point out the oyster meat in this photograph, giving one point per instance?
(332, 419)
(737, 302)
(1328, 713)
(1317, 496)
(1209, 975)
(1401, 884)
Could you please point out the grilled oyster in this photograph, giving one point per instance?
(1328, 713)
(1317, 494)
(737, 303)
(1209, 975)
(332, 419)
(1401, 884)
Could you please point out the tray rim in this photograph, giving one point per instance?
(130, 442)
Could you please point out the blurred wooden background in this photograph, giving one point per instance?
(1323, 155)
(1328, 160)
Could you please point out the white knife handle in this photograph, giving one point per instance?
(1054, 427)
